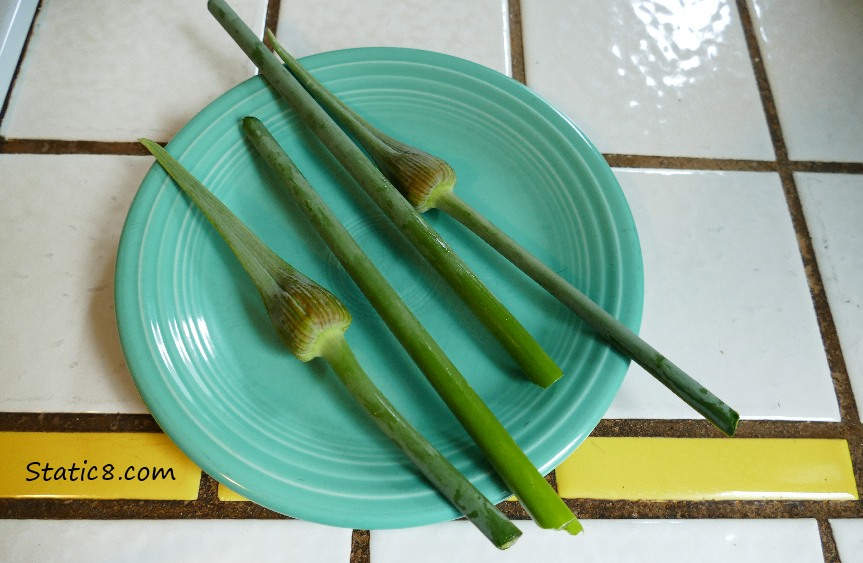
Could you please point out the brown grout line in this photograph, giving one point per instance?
(272, 18)
(828, 542)
(72, 509)
(208, 492)
(697, 428)
(360, 552)
(57, 146)
(76, 422)
(688, 163)
(826, 167)
(516, 42)
(54, 146)
(839, 373)
(631, 428)
(208, 506)
(121, 509)
(841, 381)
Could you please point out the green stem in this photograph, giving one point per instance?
(504, 454)
(248, 248)
(615, 332)
(436, 468)
(427, 195)
(524, 349)
(323, 320)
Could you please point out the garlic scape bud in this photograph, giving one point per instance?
(312, 321)
(422, 178)
(427, 182)
(302, 312)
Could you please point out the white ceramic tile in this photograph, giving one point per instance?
(848, 533)
(833, 206)
(116, 71)
(620, 541)
(726, 297)
(60, 221)
(477, 30)
(812, 54)
(189, 541)
(660, 77)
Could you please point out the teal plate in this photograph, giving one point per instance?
(285, 434)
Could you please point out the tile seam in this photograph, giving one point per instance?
(516, 42)
(121, 509)
(615, 160)
(838, 370)
(839, 373)
(206, 508)
(828, 543)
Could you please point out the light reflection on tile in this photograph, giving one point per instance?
(111, 71)
(621, 541)
(477, 31)
(62, 216)
(662, 78)
(189, 541)
(726, 297)
(812, 56)
(833, 206)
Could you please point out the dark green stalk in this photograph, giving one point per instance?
(504, 454)
(427, 182)
(618, 334)
(312, 321)
(421, 177)
(534, 361)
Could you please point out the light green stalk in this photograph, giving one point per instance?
(532, 359)
(539, 499)
(312, 321)
(427, 182)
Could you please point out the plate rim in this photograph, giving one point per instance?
(129, 247)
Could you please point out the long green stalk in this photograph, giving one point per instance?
(427, 182)
(509, 461)
(524, 349)
(312, 321)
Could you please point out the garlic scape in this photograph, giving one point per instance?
(421, 177)
(312, 323)
(538, 497)
(527, 353)
(427, 182)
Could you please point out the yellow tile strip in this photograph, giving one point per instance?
(227, 494)
(95, 466)
(704, 468)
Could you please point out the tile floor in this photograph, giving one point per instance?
(734, 128)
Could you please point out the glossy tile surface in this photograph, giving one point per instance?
(659, 78)
(726, 297)
(812, 54)
(709, 468)
(621, 541)
(476, 30)
(728, 294)
(833, 206)
(848, 533)
(62, 216)
(94, 68)
(190, 541)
